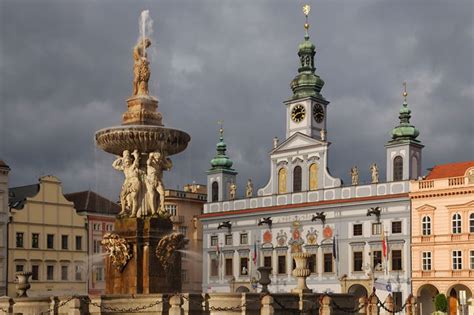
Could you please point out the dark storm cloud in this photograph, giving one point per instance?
(66, 72)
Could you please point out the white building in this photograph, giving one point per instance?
(300, 186)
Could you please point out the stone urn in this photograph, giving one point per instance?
(301, 272)
(264, 277)
(23, 283)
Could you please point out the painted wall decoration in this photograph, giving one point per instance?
(281, 238)
(312, 237)
(327, 232)
(267, 237)
(296, 240)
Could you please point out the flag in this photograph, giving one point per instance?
(254, 258)
(218, 249)
(384, 244)
(334, 247)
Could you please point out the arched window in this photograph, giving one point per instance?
(282, 181)
(398, 168)
(215, 192)
(414, 167)
(426, 225)
(313, 176)
(297, 179)
(471, 223)
(456, 223)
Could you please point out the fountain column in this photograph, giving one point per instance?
(143, 254)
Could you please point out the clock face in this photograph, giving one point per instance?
(318, 113)
(298, 113)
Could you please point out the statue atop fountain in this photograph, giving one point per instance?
(143, 146)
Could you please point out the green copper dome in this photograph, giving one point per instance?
(221, 160)
(307, 82)
(405, 131)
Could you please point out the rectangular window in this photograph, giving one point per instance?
(19, 239)
(49, 272)
(228, 239)
(244, 266)
(19, 268)
(78, 272)
(282, 264)
(396, 227)
(229, 263)
(376, 228)
(35, 240)
(471, 258)
(64, 271)
(78, 242)
(426, 261)
(376, 258)
(214, 240)
(357, 229)
(328, 262)
(267, 261)
(312, 263)
(99, 274)
(357, 261)
(64, 242)
(171, 209)
(397, 300)
(457, 260)
(50, 241)
(183, 230)
(244, 239)
(396, 260)
(35, 272)
(214, 267)
(96, 246)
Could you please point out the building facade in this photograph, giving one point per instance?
(47, 237)
(443, 235)
(304, 207)
(100, 214)
(185, 207)
(4, 170)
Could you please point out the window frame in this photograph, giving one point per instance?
(214, 240)
(35, 274)
(50, 277)
(64, 276)
(456, 260)
(361, 229)
(392, 260)
(426, 261)
(326, 263)
(78, 241)
(456, 223)
(398, 168)
(244, 262)
(20, 240)
(244, 238)
(35, 240)
(398, 222)
(426, 225)
(227, 272)
(297, 178)
(281, 261)
(376, 258)
(228, 240)
(471, 222)
(361, 253)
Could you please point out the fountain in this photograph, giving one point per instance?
(143, 231)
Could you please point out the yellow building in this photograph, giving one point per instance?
(184, 207)
(443, 235)
(47, 237)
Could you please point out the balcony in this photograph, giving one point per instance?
(177, 219)
(442, 183)
(427, 239)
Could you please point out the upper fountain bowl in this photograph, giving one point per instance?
(144, 138)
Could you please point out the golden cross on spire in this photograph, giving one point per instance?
(306, 10)
(405, 94)
(221, 129)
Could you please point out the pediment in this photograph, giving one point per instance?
(467, 205)
(425, 208)
(297, 141)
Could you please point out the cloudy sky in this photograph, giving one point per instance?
(66, 70)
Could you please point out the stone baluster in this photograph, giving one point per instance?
(363, 302)
(372, 308)
(75, 307)
(175, 303)
(267, 306)
(6, 304)
(411, 305)
(388, 305)
(324, 305)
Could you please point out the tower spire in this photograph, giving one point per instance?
(221, 160)
(405, 131)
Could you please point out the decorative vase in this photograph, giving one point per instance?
(264, 277)
(23, 283)
(301, 272)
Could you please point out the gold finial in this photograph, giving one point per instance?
(405, 94)
(306, 10)
(221, 129)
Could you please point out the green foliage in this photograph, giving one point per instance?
(441, 303)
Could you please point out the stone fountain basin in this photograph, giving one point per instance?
(144, 138)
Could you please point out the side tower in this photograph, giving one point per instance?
(404, 150)
(221, 175)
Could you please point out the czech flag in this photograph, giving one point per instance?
(384, 244)
(254, 258)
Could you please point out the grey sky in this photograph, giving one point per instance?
(66, 70)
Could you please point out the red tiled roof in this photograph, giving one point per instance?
(450, 170)
(90, 201)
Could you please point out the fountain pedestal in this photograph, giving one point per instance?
(301, 272)
(142, 273)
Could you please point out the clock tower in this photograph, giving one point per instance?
(306, 109)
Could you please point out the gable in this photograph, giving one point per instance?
(425, 208)
(297, 141)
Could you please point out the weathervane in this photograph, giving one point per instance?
(405, 94)
(221, 129)
(306, 10)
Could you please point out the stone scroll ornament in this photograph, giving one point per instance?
(118, 249)
(168, 249)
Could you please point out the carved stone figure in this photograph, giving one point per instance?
(232, 190)
(322, 134)
(155, 165)
(131, 185)
(118, 250)
(167, 251)
(249, 189)
(374, 173)
(355, 175)
(141, 68)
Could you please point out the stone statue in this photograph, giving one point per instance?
(118, 249)
(155, 165)
(322, 134)
(141, 68)
(249, 189)
(131, 185)
(374, 172)
(355, 175)
(232, 190)
(167, 251)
